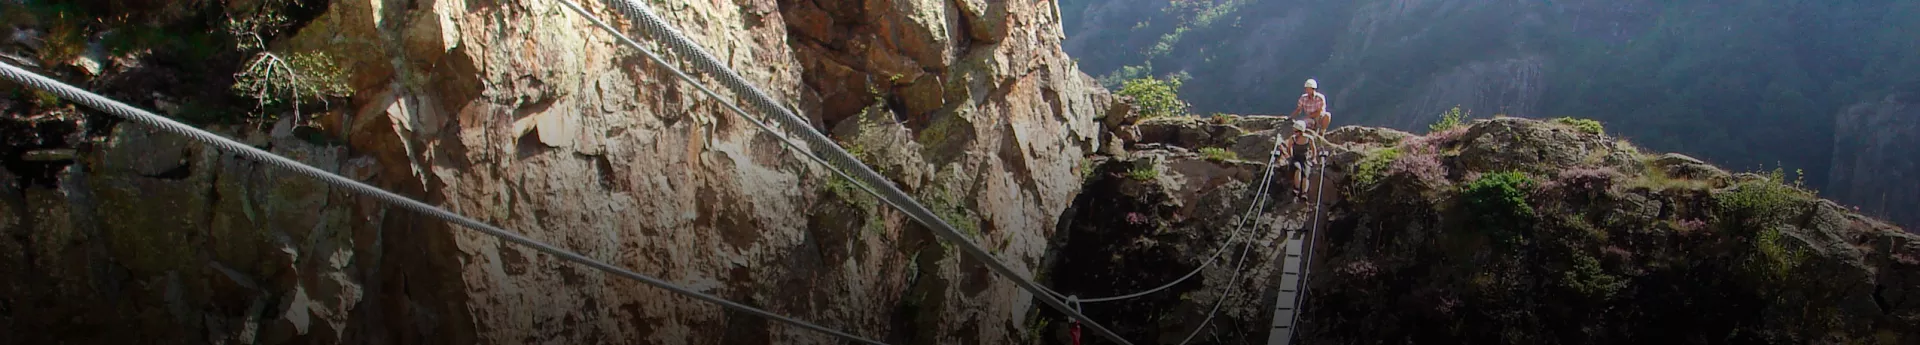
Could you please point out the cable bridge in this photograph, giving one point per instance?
(810, 143)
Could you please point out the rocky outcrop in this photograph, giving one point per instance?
(1244, 136)
(522, 114)
(1873, 158)
(1532, 146)
(1509, 231)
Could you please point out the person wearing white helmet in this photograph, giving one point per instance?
(1314, 105)
(1299, 151)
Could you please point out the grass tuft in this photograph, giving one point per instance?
(1584, 125)
(1218, 154)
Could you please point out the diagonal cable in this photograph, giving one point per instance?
(77, 95)
(835, 156)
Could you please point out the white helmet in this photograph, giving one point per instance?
(1299, 126)
(1313, 84)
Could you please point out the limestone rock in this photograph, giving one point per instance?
(1187, 132)
(987, 19)
(145, 151)
(1526, 145)
(1682, 166)
(1121, 113)
(1366, 135)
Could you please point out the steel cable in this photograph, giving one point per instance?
(835, 156)
(1306, 266)
(128, 112)
(1260, 196)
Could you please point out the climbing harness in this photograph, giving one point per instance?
(138, 115)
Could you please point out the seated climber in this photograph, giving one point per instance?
(1314, 105)
(1300, 149)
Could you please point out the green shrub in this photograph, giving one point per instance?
(1374, 166)
(1085, 169)
(1451, 119)
(1587, 278)
(851, 192)
(66, 38)
(44, 99)
(1497, 202)
(948, 205)
(1584, 125)
(1776, 261)
(1218, 154)
(1143, 171)
(1155, 97)
(1760, 204)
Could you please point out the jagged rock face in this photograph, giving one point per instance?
(162, 239)
(524, 115)
(1614, 246)
(511, 121)
(1873, 166)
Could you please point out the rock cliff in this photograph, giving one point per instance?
(522, 114)
(1506, 231)
(1873, 152)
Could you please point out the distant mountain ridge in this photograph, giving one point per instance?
(1747, 85)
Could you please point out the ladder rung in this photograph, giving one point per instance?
(1280, 326)
(1290, 273)
(1288, 290)
(1283, 308)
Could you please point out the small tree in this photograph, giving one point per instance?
(276, 81)
(280, 79)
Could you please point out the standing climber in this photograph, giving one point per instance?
(1300, 150)
(1314, 105)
